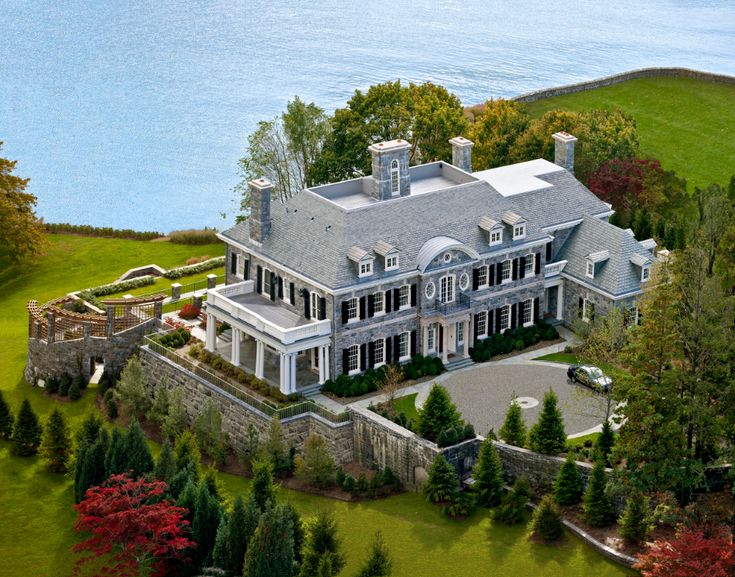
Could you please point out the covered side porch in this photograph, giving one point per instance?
(267, 339)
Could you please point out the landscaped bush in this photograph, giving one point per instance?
(546, 522)
(439, 420)
(513, 504)
(65, 381)
(509, 341)
(175, 339)
(51, 385)
(442, 482)
(102, 232)
(195, 268)
(117, 287)
(189, 312)
(194, 236)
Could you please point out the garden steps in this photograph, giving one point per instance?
(457, 364)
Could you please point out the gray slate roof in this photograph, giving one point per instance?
(617, 275)
(312, 235)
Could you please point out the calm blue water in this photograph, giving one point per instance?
(133, 114)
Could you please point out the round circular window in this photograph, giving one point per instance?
(430, 290)
(447, 257)
(464, 281)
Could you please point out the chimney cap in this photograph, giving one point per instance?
(460, 141)
(389, 146)
(562, 136)
(260, 184)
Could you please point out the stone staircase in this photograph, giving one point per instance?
(311, 390)
(459, 363)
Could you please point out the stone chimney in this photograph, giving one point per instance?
(564, 150)
(390, 169)
(260, 209)
(462, 153)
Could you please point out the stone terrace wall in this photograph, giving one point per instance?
(237, 416)
(622, 77)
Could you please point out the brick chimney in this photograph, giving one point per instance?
(260, 209)
(462, 153)
(564, 150)
(390, 169)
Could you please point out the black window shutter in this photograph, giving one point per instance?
(345, 361)
(499, 273)
(535, 309)
(513, 316)
(413, 343)
(371, 354)
(414, 292)
(259, 280)
(363, 356)
(246, 270)
(292, 292)
(491, 275)
(322, 308)
(274, 286)
(388, 302)
(233, 263)
(537, 268)
(515, 269)
(397, 348)
(497, 319)
(475, 278)
(475, 323)
(548, 252)
(280, 287)
(396, 299)
(581, 306)
(363, 307)
(387, 350)
(522, 267)
(307, 308)
(345, 306)
(370, 306)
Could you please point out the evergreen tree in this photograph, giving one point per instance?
(546, 521)
(513, 505)
(635, 523)
(299, 534)
(547, 435)
(598, 504)
(26, 431)
(568, 484)
(182, 478)
(90, 472)
(275, 451)
(187, 499)
(159, 408)
(204, 525)
(139, 459)
(209, 433)
(378, 563)
(166, 464)
(438, 414)
(6, 419)
(488, 475)
(514, 430)
(186, 451)
(605, 442)
(110, 404)
(263, 490)
(215, 487)
(316, 465)
(131, 389)
(321, 541)
(89, 431)
(237, 536)
(221, 553)
(75, 392)
(116, 459)
(270, 551)
(56, 443)
(442, 482)
(176, 419)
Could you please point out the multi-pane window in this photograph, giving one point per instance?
(481, 324)
(395, 178)
(460, 332)
(430, 339)
(530, 265)
(352, 305)
(519, 231)
(379, 352)
(266, 281)
(314, 305)
(353, 359)
(404, 296)
(378, 303)
(504, 318)
(391, 262)
(366, 268)
(645, 273)
(588, 310)
(527, 315)
(446, 289)
(505, 271)
(404, 346)
(482, 276)
(496, 237)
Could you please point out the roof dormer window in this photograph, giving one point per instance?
(391, 262)
(389, 254)
(496, 237)
(494, 230)
(645, 273)
(519, 231)
(362, 259)
(366, 268)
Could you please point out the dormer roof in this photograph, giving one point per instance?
(640, 260)
(511, 218)
(649, 244)
(356, 254)
(489, 224)
(599, 256)
(383, 248)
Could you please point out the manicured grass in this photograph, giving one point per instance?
(689, 125)
(407, 406)
(566, 358)
(164, 284)
(36, 511)
(580, 441)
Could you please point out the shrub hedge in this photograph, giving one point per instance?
(194, 236)
(99, 231)
(512, 340)
(175, 339)
(189, 312)
(371, 380)
(186, 270)
(384, 482)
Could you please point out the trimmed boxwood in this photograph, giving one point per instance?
(175, 339)
(512, 340)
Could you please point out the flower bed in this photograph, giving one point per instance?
(512, 340)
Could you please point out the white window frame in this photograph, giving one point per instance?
(431, 339)
(645, 273)
(481, 325)
(391, 262)
(314, 298)
(519, 231)
(404, 340)
(585, 309)
(483, 277)
(632, 315)
(353, 310)
(590, 269)
(506, 269)
(504, 325)
(240, 266)
(378, 297)
(265, 287)
(459, 333)
(464, 281)
(381, 362)
(446, 289)
(353, 361)
(496, 237)
(530, 269)
(395, 177)
(527, 311)
(365, 268)
(404, 297)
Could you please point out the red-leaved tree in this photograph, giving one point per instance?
(702, 551)
(132, 522)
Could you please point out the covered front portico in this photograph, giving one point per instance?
(267, 339)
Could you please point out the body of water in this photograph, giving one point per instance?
(133, 114)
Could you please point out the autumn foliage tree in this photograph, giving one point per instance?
(695, 551)
(131, 522)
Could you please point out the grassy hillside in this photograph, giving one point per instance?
(36, 511)
(689, 125)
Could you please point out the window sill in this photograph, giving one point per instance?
(506, 281)
(353, 373)
(379, 314)
(353, 320)
(404, 359)
(528, 324)
(404, 307)
(378, 365)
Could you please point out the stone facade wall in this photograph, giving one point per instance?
(237, 416)
(617, 78)
(573, 292)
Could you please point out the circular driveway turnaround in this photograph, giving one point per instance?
(483, 395)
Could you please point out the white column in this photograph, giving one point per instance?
(283, 377)
(326, 362)
(235, 356)
(466, 338)
(292, 372)
(322, 360)
(211, 343)
(425, 340)
(560, 302)
(259, 358)
(445, 344)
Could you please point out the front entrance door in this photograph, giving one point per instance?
(459, 337)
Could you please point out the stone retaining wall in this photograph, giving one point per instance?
(540, 470)
(622, 77)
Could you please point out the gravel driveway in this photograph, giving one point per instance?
(483, 394)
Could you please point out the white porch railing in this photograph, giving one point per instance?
(554, 268)
(219, 298)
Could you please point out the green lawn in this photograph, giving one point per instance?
(37, 516)
(407, 406)
(164, 284)
(689, 125)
